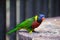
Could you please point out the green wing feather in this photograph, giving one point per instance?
(26, 25)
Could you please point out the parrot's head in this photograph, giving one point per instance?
(40, 18)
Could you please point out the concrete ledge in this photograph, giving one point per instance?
(48, 31)
(24, 35)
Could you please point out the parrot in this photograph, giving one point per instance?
(29, 24)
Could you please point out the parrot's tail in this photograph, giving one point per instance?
(11, 31)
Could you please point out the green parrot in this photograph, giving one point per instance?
(24, 25)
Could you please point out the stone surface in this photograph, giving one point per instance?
(48, 30)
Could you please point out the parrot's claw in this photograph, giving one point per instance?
(30, 32)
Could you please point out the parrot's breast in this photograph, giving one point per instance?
(35, 24)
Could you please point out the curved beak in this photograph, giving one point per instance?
(43, 18)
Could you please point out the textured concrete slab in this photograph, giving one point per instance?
(48, 30)
(39, 36)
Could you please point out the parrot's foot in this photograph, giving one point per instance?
(30, 32)
(33, 31)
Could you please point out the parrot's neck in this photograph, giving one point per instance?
(36, 18)
(39, 21)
